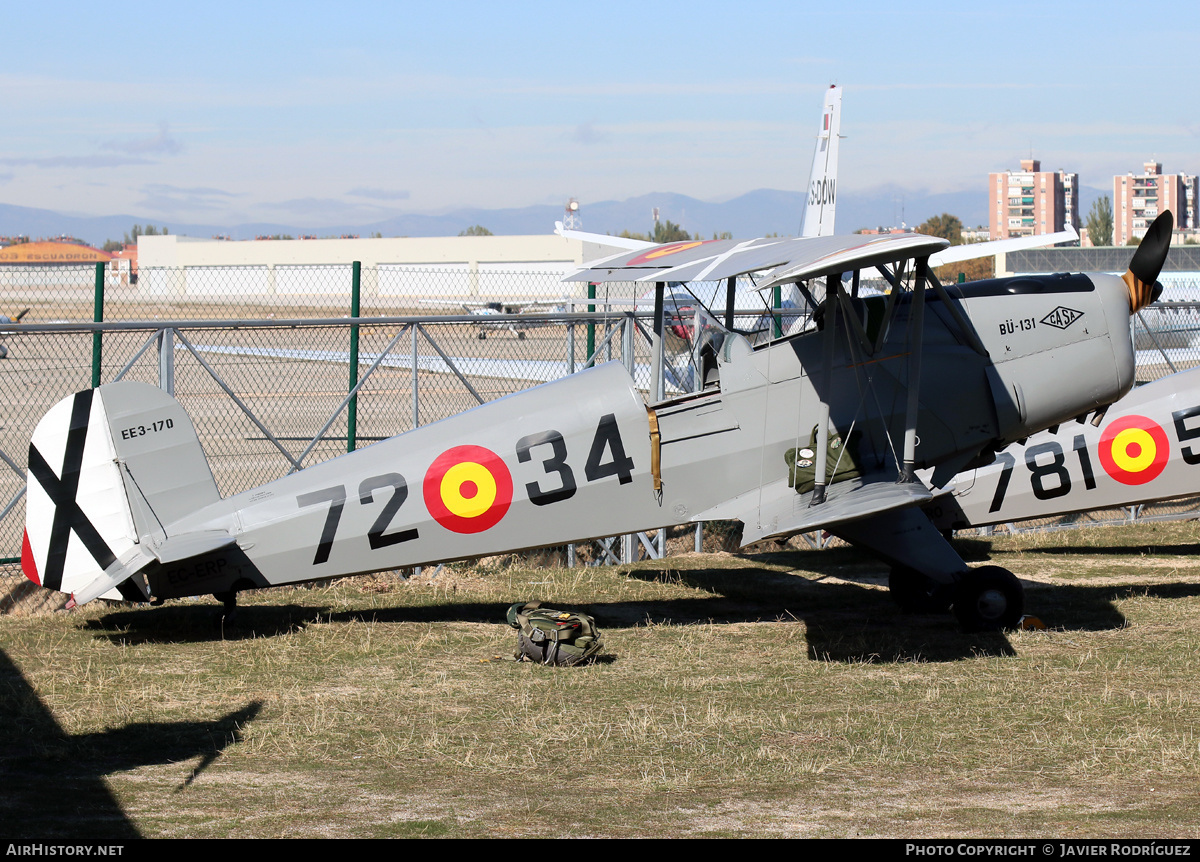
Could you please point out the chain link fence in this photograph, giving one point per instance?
(269, 383)
(262, 361)
(77, 292)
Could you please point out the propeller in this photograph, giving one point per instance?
(1142, 276)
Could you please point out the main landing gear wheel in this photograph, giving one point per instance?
(916, 593)
(989, 598)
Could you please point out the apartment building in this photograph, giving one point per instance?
(1139, 198)
(1032, 201)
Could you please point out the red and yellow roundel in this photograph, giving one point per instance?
(664, 250)
(468, 489)
(1134, 450)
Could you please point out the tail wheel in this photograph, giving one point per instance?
(989, 598)
(916, 593)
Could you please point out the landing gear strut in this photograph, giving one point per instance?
(989, 598)
(229, 599)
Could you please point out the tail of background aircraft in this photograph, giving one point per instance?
(822, 184)
(108, 468)
(822, 179)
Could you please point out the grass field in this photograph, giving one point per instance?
(763, 695)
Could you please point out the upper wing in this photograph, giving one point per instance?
(974, 250)
(786, 259)
(602, 238)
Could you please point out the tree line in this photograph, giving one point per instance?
(111, 245)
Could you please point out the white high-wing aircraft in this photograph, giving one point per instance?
(492, 308)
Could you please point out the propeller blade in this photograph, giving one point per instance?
(1147, 263)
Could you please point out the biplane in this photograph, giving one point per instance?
(826, 428)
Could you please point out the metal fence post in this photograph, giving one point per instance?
(777, 302)
(352, 407)
(415, 396)
(97, 317)
(571, 348)
(591, 327)
(166, 361)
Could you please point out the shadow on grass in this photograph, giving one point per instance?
(199, 623)
(1118, 550)
(847, 617)
(54, 785)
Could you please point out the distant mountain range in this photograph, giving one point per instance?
(756, 213)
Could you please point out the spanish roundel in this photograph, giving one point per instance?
(665, 250)
(468, 489)
(1134, 450)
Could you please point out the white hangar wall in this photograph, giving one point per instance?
(408, 268)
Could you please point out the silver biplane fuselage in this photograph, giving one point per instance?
(919, 378)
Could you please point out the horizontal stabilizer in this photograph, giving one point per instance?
(777, 510)
(126, 566)
(181, 547)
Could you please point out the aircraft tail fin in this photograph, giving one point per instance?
(109, 468)
(822, 179)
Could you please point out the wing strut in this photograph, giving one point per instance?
(916, 337)
(656, 342)
(729, 299)
(833, 286)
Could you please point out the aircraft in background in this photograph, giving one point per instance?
(1144, 448)
(819, 212)
(485, 309)
(699, 311)
(823, 429)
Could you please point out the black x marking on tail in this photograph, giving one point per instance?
(68, 517)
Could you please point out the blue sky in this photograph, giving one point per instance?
(320, 113)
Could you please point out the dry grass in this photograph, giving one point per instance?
(773, 694)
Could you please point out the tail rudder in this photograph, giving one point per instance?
(822, 178)
(108, 468)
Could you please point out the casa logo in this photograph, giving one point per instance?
(468, 489)
(1062, 317)
(1134, 450)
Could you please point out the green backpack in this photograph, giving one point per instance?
(840, 463)
(550, 636)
